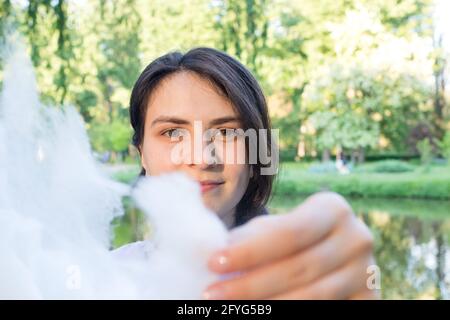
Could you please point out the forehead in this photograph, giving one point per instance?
(187, 95)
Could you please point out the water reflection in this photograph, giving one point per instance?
(411, 244)
(411, 252)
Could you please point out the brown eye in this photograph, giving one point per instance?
(173, 133)
(226, 134)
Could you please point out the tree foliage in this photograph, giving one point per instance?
(328, 83)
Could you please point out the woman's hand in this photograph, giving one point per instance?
(320, 250)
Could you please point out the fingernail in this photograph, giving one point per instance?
(213, 294)
(220, 261)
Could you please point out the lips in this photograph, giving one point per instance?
(208, 185)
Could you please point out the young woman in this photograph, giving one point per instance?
(319, 250)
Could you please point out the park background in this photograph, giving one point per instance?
(357, 88)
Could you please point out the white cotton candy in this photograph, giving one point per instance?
(56, 207)
(186, 234)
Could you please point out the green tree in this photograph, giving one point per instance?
(353, 109)
(243, 26)
(444, 146)
(113, 136)
(47, 26)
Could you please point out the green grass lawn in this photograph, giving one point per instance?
(295, 179)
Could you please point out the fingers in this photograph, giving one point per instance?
(339, 248)
(259, 282)
(296, 270)
(341, 284)
(370, 291)
(318, 251)
(270, 238)
(366, 294)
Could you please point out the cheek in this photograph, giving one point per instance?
(233, 152)
(238, 175)
(156, 157)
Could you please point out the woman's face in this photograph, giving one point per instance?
(181, 102)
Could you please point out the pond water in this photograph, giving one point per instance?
(412, 242)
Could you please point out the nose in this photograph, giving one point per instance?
(205, 155)
(201, 151)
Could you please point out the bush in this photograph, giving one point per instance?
(426, 152)
(127, 176)
(115, 136)
(288, 154)
(444, 147)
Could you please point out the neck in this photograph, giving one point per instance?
(229, 219)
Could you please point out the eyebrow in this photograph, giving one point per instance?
(166, 119)
(223, 120)
(175, 120)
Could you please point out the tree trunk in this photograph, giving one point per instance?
(326, 155)
(439, 85)
(353, 157)
(360, 156)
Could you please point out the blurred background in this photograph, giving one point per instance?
(357, 88)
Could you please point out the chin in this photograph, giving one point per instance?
(209, 204)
